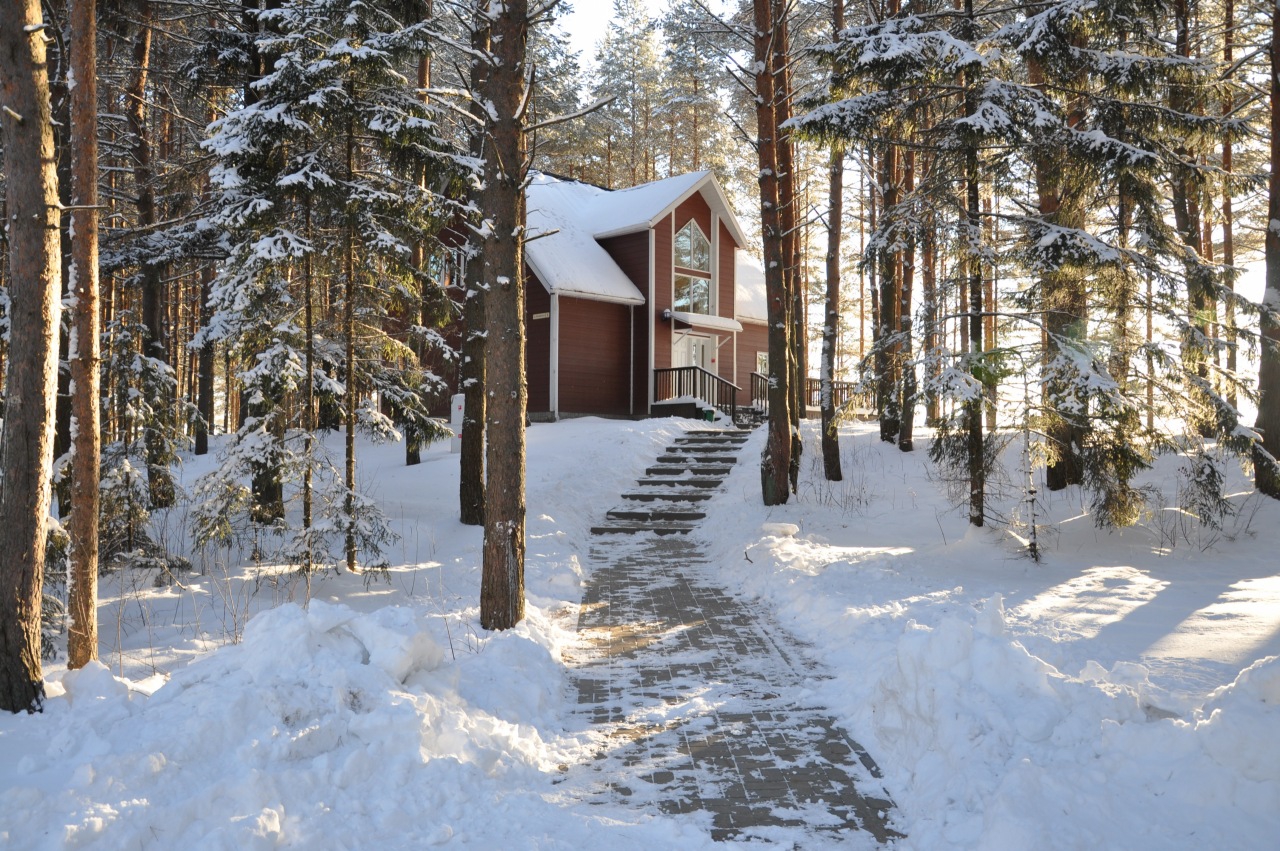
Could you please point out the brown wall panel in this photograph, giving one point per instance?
(595, 357)
(631, 253)
(754, 338)
(662, 293)
(537, 345)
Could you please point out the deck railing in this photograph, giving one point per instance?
(845, 391)
(695, 382)
(760, 392)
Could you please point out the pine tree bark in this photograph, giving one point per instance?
(788, 222)
(775, 462)
(831, 324)
(1228, 211)
(1266, 454)
(889, 261)
(155, 346)
(906, 371)
(976, 446)
(502, 205)
(34, 291)
(85, 356)
(471, 476)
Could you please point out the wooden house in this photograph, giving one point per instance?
(640, 301)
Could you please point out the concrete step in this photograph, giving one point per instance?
(668, 496)
(701, 449)
(712, 439)
(702, 460)
(664, 513)
(635, 527)
(690, 470)
(689, 482)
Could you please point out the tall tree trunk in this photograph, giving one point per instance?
(82, 641)
(155, 346)
(906, 369)
(350, 392)
(890, 262)
(34, 292)
(1187, 221)
(471, 479)
(973, 226)
(831, 323)
(775, 462)
(502, 205)
(788, 222)
(1266, 469)
(1228, 212)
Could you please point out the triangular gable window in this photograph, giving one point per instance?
(693, 249)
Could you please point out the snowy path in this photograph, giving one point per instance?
(702, 706)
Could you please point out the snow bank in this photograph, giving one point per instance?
(323, 728)
(984, 744)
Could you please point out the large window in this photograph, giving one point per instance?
(693, 250)
(693, 290)
(693, 295)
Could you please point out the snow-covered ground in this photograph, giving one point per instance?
(1122, 693)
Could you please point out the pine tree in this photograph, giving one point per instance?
(1266, 470)
(84, 352)
(317, 193)
(34, 281)
(628, 71)
(503, 90)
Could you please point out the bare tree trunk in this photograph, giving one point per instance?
(831, 323)
(349, 344)
(790, 234)
(82, 641)
(775, 462)
(471, 479)
(973, 225)
(886, 352)
(31, 383)
(1228, 213)
(906, 371)
(1266, 470)
(502, 578)
(155, 346)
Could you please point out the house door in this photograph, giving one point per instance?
(694, 350)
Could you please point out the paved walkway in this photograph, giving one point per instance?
(701, 702)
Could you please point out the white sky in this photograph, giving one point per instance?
(589, 19)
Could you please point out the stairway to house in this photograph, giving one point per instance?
(669, 499)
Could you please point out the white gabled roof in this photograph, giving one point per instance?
(568, 259)
(750, 304)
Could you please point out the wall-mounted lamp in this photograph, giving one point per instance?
(666, 315)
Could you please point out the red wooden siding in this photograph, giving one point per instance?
(537, 346)
(631, 253)
(754, 338)
(695, 207)
(662, 295)
(726, 269)
(595, 358)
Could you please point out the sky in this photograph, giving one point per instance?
(590, 18)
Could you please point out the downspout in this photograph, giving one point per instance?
(554, 368)
(631, 367)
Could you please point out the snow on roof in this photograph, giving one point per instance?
(748, 288)
(563, 251)
(574, 216)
